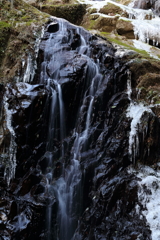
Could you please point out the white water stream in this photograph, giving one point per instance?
(66, 188)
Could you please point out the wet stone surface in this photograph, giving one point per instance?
(72, 132)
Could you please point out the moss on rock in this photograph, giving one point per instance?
(111, 9)
(4, 36)
(106, 24)
(140, 67)
(125, 2)
(149, 80)
(19, 28)
(72, 12)
(92, 10)
(125, 28)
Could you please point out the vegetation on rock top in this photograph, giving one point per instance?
(72, 12)
(19, 27)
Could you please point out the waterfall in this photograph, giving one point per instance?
(82, 130)
(67, 186)
(55, 122)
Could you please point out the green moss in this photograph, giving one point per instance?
(105, 33)
(4, 25)
(92, 10)
(148, 80)
(26, 17)
(91, 24)
(4, 36)
(21, 11)
(17, 35)
(118, 42)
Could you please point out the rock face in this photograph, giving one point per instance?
(107, 24)
(70, 129)
(20, 27)
(125, 28)
(111, 9)
(71, 12)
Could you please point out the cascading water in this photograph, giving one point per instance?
(67, 186)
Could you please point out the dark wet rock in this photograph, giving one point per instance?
(28, 182)
(125, 28)
(76, 41)
(110, 204)
(53, 27)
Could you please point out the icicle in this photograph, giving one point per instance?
(135, 111)
(154, 42)
(147, 29)
(129, 88)
(12, 150)
(138, 93)
(148, 196)
(37, 43)
(31, 64)
(30, 71)
(148, 150)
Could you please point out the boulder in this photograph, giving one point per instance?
(71, 12)
(111, 9)
(125, 28)
(106, 24)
